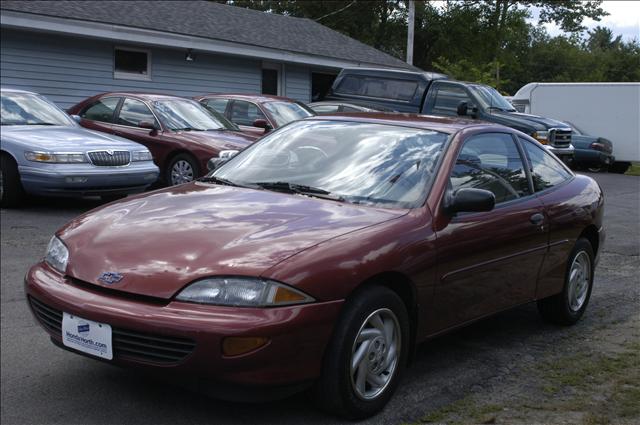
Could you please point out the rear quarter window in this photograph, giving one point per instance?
(546, 169)
(102, 110)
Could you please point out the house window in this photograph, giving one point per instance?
(131, 64)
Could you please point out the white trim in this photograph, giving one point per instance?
(123, 75)
(119, 33)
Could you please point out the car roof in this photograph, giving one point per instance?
(260, 98)
(9, 90)
(427, 122)
(142, 95)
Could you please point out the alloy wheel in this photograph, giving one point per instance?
(579, 278)
(375, 354)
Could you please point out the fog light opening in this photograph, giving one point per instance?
(237, 345)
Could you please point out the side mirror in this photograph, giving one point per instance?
(470, 200)
(148, 125)
(262, 123)
(223, 156)
(76, 118)
(465, 109)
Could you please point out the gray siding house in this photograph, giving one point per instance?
(70, 50)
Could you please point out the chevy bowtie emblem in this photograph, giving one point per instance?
(110, 152)
(110, 278)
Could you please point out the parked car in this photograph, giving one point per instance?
(592, 153)
(434, 94)
(322, 254)
(181, 135)
(329, 107)
(44, 152)
(256, 114)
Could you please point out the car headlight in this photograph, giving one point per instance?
(144, 155)
(56, 157)
(57, 255)
(541, 136)
(242, 291)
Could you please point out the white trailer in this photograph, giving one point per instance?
(609, 110)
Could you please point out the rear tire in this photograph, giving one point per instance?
(567, 307)
(619, 167)
(362, 364)
(11, 191)
(182, 168)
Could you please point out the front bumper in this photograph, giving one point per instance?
(566, 155)
(297, 334)
(86, 179)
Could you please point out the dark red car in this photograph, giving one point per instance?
(322, 254)
(181, 135)
(256, 114)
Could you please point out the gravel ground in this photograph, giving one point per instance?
(512, 368)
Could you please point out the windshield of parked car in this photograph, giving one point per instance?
(490, 98)
(31, 109)
(361, 163)
(186, 115)
(285, 112)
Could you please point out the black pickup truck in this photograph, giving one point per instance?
(434, 94)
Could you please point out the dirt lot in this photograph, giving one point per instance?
(511, 369)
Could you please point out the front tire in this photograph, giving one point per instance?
(11, 191)
(183, 168)
(366, 356)
(567, 307)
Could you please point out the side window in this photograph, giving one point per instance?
(447, 98)
(245, 113)
(219, 105)
(102, 110)
(546, 170)
(326, 109)
(133, 112)
(387, 88)
(491, 162)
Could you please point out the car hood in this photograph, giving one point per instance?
(63, 138)
(163, 240)
(525, 121)
(220, 139)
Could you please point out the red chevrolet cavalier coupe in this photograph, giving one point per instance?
(181, 134)
(322, 254)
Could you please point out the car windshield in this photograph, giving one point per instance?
(361, 163)
(285, 112)
(186, 115)
(490, 98)
(31, 109)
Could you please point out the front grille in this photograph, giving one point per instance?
(560, 138)
(127, 344)
(107, 159)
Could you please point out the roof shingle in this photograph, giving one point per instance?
(215, 21)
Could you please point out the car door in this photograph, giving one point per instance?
(549, 176)
(488, 261)
(129, 117)
(243, 114)
(443, 98)
(100, 114)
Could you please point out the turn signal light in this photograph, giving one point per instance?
(286, 296)
(236, 345)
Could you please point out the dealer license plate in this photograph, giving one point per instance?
(87, 336)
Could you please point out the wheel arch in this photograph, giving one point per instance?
(6, 153)
(404, 287)
(590, 233)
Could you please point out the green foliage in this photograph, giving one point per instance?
(488, 41)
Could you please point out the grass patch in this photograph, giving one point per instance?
(634, 170)
(463, 411)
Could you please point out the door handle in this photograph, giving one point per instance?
(537, 219)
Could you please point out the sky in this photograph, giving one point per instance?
(623, 19)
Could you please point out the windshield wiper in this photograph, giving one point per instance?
(299, 189)
(226, 182)
(188, 129)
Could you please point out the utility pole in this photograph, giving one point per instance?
(410, 30)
